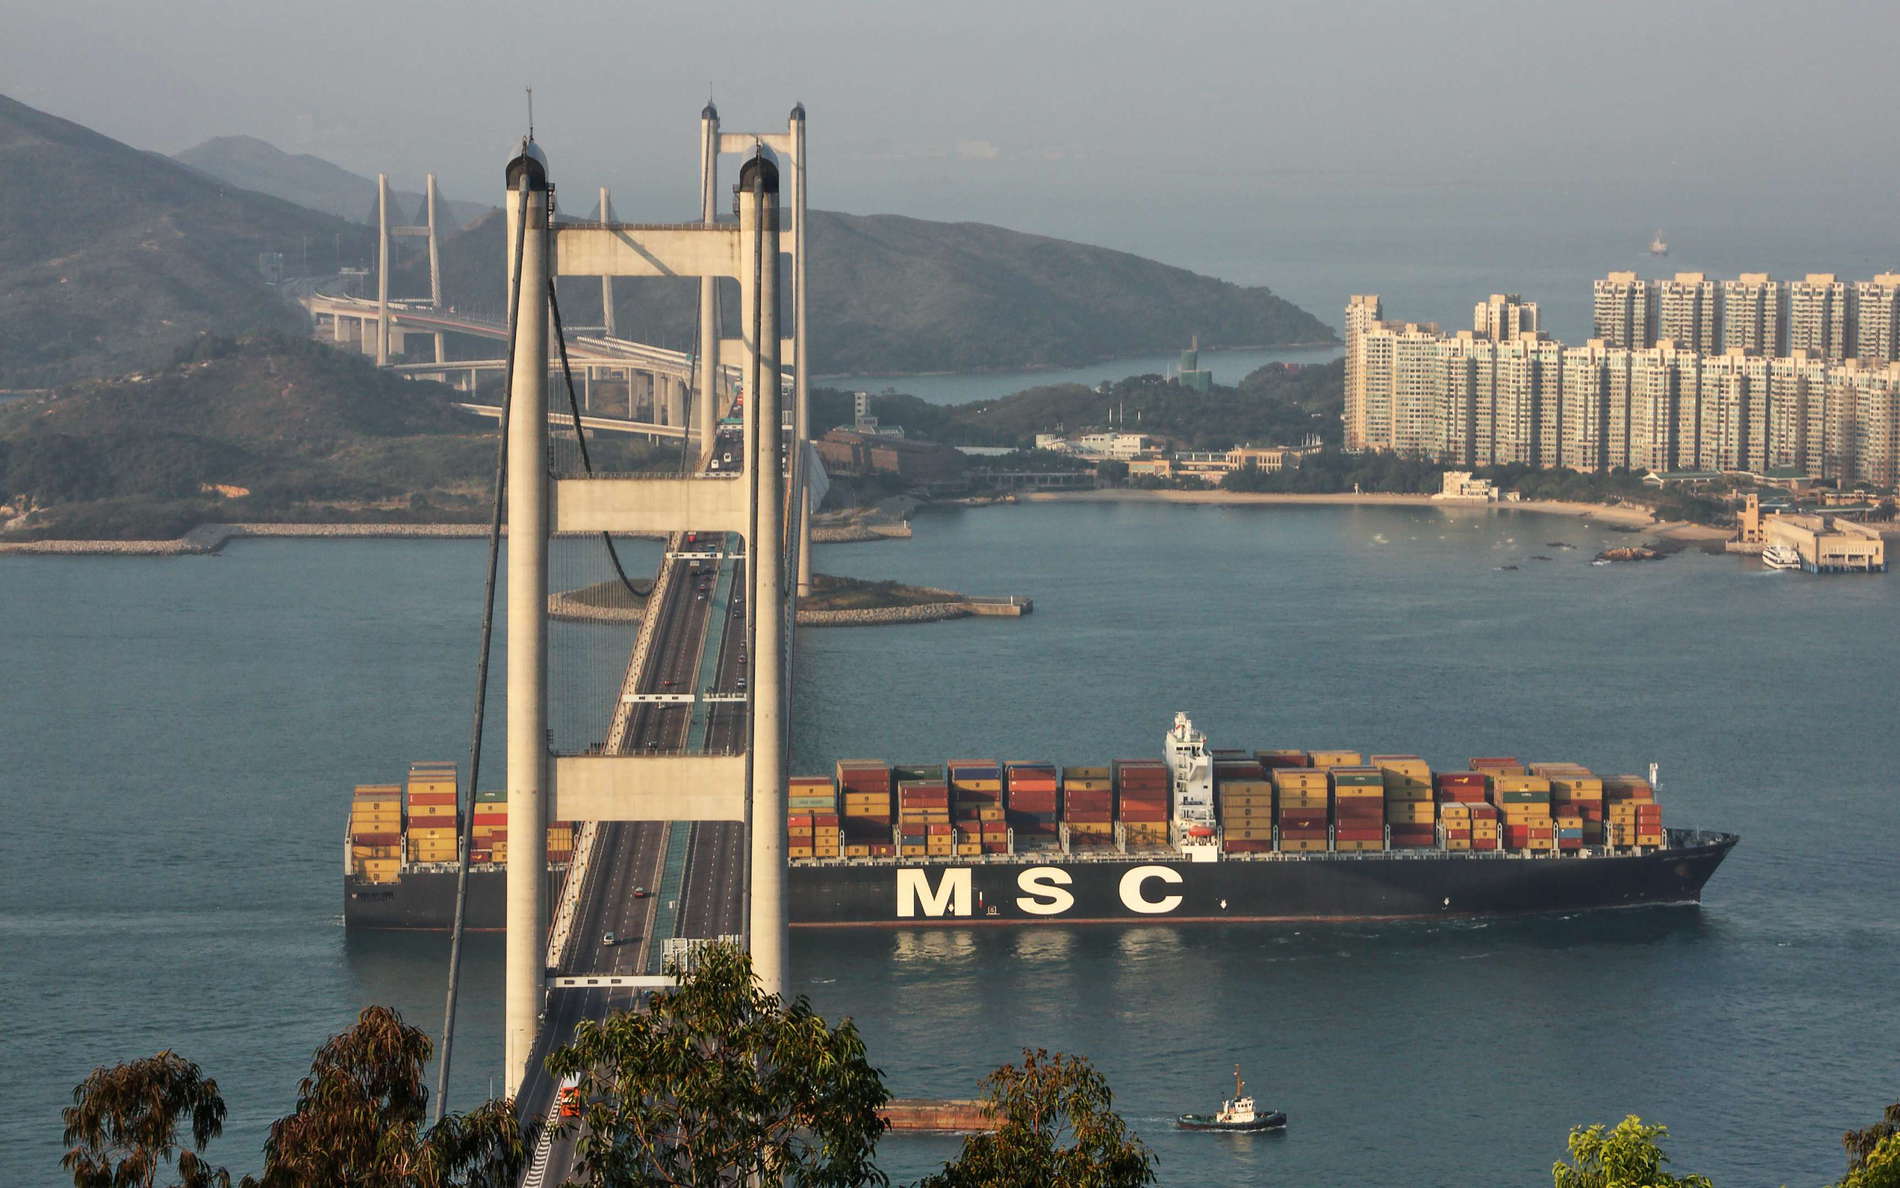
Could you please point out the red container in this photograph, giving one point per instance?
(376, 839)
(1494, 762)
(938, 830)
(1246, 846)
(1484, 843)
(1343, 834)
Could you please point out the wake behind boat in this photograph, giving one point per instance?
(1238, 1113)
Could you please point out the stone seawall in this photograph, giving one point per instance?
(209, 538)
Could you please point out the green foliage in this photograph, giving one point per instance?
(122, 1128)
(1877, 1167)
(1055, 1127)
(718, 1081)
(359, 1120)
(1629, 1156)
(288, 428)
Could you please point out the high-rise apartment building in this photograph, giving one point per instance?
(1363, 312)
(1686, 311)
(1818, 316)
(1504, 316)
(1877, 319)
(1473, 400)
(1753, 314)
(1625, 311)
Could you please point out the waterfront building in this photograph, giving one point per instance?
(1471, 400)
(1504, 316)
(1876, 306)
(1753, 314)
(1624, 309)
(1686, 309)
(1363, 312)
(1818, 316)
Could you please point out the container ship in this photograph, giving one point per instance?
(1199, 835)
(400, 860)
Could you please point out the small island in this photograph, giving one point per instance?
(834, 602)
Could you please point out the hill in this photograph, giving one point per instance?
(111, 258)
(1274, 405)
(314, 182)
(262, 428)
(895, 294)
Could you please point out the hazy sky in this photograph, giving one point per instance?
(1134, 124)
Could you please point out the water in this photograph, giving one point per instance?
(185, 730)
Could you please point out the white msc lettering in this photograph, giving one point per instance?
(1135, 901)
(1045, 884)
(914, 891)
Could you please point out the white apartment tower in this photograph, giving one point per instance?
(1818, 316)
(1363, 312)
(1625, 311)
(1754, 310)
(1504, 316)
(1686, 311)
(1877, 320)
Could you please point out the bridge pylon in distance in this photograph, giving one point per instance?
(745, 787)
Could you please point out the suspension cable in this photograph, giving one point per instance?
(481, 671)
(580, 432)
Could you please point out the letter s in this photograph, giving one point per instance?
(1046, 884)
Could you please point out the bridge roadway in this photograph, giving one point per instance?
(632, 856)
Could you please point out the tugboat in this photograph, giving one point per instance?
(1236, 1114)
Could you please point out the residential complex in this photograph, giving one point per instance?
(1635, 397)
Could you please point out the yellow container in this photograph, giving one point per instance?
(1336, 759)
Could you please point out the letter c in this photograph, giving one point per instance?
(1134, 901)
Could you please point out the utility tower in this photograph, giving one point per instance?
(641, 787)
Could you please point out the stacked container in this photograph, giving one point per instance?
(976, 799)
(1484, 825)
(1576, 792)
(1032, 799)
(1454, 819)
(811, 818)
(1409, 809)
(1635, 819)
(1142, 802)
(1498, 766)
(1244, 800)
(431, 812)
(488, 828)
(864, 789)
(376, 832)
(1359, 808)
(561, 842)
(923, 819)
(1523, 801)
(1464, 787)
(1301, 802)
(1088, 807)
(1335, 759)
(1273, 759)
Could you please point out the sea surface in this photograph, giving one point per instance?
(182, 734)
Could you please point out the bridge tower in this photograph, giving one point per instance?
(645, 786)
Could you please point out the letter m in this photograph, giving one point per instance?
(914, 891)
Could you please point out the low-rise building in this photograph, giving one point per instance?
(1828, 544)
(1460, 486)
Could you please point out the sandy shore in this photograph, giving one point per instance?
(1620, 515)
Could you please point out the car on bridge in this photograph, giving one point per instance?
(609, 940)
(568, 1100)
(639, 892)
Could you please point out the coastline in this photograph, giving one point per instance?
(1035, 367)
(1619, 515)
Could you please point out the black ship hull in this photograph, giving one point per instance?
(425, 900)
(1132, 889)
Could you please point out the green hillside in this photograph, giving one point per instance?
(111, 258)
(893, 294)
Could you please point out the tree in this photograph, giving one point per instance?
(1627, 1157)
(1873, 1154)
(122, 1128)
(359, 1120)
(717, 1081)
(1049, 1098)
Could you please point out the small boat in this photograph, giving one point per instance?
(1238, 1113)
(1780, 556)
(1659, 246)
